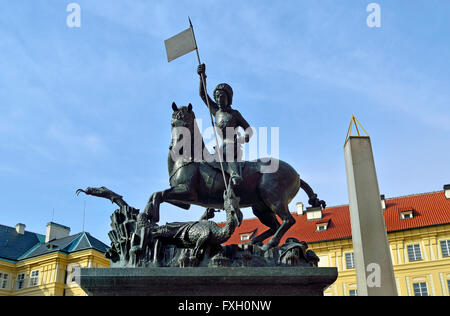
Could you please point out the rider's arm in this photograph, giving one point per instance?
(244, 124)
(203, 95)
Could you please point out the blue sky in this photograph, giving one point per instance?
(91, 106)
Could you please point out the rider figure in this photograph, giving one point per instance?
(227, 119)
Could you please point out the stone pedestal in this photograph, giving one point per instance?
(245, 281)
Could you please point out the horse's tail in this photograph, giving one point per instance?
(297, 186)
(313, 199)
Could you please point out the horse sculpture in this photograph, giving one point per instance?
(197, 182)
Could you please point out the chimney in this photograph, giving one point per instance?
(447, 191)
(20, 228)
(300, 209)
(383, 202)
(56, 231)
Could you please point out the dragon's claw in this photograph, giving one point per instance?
(77, 192)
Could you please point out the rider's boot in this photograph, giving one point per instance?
(233, 170)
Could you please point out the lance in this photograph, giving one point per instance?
(180, 45)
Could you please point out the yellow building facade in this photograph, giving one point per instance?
(49, 267)
(428, 274)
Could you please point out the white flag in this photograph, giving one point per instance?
(180, 44)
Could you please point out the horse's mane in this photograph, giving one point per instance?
(205, 150)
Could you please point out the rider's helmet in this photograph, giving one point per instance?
(228, 90)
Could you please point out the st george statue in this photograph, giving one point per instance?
(227, 120)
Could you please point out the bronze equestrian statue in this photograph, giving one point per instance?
(201, 183)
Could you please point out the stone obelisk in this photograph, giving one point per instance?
(372, 256)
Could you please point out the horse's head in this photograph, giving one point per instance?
(183, 116)
(183, 131)
(186, 136)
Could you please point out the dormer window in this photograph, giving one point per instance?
(407, 214)
(313, 213)
(246, 236)
(320, 227)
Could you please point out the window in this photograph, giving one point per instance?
(414, 253)
(20, 281)
(34, 278)
(245, 237)
(350, 260)
(4, 281)
(321, 227)
(73, 271)
(448, 285)
(313, 213)
(352, 293)
(406, 215)
(420, 289)
(445, 247)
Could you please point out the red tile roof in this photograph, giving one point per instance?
(430, 209)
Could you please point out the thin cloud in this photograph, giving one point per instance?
(75, 144)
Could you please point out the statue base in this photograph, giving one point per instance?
(229, 281)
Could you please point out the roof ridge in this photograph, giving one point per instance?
(96, 240)
(64, 245)
(87, 238)
(29, 251)
(74, 243)
(387, 198)
(415, 194)
(60, 247)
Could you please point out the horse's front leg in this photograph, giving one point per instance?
(181, 193)
(152, 207)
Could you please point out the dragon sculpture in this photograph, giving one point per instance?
(136, 240)
(203, 234)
